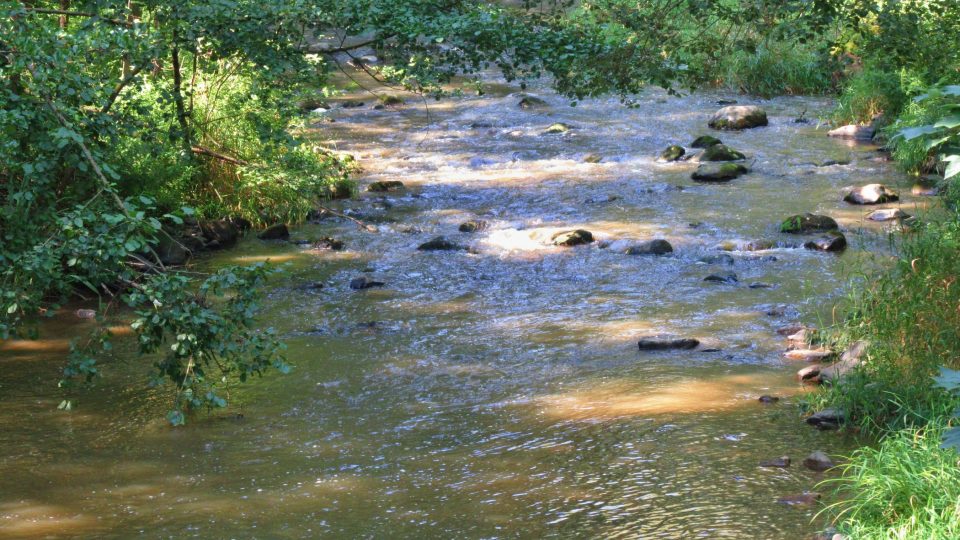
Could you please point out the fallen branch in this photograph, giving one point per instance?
(201, 150)
(361, 224)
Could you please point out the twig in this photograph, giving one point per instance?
(361, 224)
(222, 157)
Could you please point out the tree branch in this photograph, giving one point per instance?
(222, 157)
(67, 13)
(132, 74)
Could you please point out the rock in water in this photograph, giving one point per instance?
(849, 361)
(704, 141)
(572, 238)
(653, 247)
(781, 462)
(722, 277)
(851, 131)
(808, 355)
(171, 251)
(738, 117)
(592, 158)
(871, 194)
(721, 152)
(768, 400)
(826, 419)
(275, 232)
(819, 462)
(722, 258)
(672, 153)
(221, 233)
(363, 282)
(808, 223)
(887, 214)
(474, 225)
(810, 374)
(559, 127)
(832, 241)
(531, 102)
(718, 172)
(660, 343)
(439, 243)
(383, 186)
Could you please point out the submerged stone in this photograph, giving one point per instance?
(474, 225)
(781, 462)
(275, 232)
(665, 343)
(592, 158)
(722, 277)
(559, 127)
(440, 243)
(819, 462)
(803, 499)
(532, 102)
(738, 117)
(363, 282)
(718, 172)
(887, 214)
(851, 131)
(832, 241)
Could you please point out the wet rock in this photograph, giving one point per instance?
(352, 104)
(391, 101)
(652, 247)
(753, 245)
(481, 125)
(440, 243)
(809, 374)
(818, 461)
(363, 282)
(480, 162)
(726, 102)
(781, 462)
(800, 337)
(704, 141)
(832, 241)
(887, 214)
(340, 190)
(718, 172)
(851, 131)
(672, 153)
(328, 243)
(722, 258)
(275, 232)
(722, 277)
(808, 223)
(85, 314)
(384, 186)
(572, 238)
(926, 188)
(760, 285)
(826, 419)
(790, 329)
(738, 117)
(313, 286)
(222, 233)
(592, 158)
(800, 499)
(603, 200)
(532, 102)
(721, 152)
(851, 359)
(809, 355)
(171, 252)
(665, 343)
(871, 194)
(474, 225)
(558, 127)
(831, 162)
(768, 399)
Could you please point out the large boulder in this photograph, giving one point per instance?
(718, 172)
(808, 223)
(219, 234)
(738, 117)
(721, 152)
(275, 232)
(672, 153)
(851, 131)
(887, 214)
(652, 247)
(572, 238)
(704, 141)
(871, 194)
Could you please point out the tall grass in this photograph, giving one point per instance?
(774, 69)
(869, 94)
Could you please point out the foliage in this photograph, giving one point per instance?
(906, 488)
(868, 95)
(934, 132)
(776, 69)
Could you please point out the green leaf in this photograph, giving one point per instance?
(176, 418)
(949, 379)
(948, 122)
(951, 439)
(952, 170)
(914, 132)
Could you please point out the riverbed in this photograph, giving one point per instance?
(496, 391)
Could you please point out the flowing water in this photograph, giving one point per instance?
(495, 393)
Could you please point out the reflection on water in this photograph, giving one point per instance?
(489, 393)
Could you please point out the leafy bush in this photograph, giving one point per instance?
(776, 69)
(929, 133)
(870, 94)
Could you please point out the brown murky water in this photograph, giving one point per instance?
(492, 394)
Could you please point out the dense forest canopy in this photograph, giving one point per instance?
(121, 120)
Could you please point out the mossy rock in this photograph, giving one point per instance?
(383, 186)
(593, 158)
(738, 117)
(559, 127)
(474, 225)
(704, 141)
(532, 102)
(721, 152)
(672, 153)
(572, 238)
(652, 247)
(808, 223)
(718, 172)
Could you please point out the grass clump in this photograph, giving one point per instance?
(869, 94)
(776, 69)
